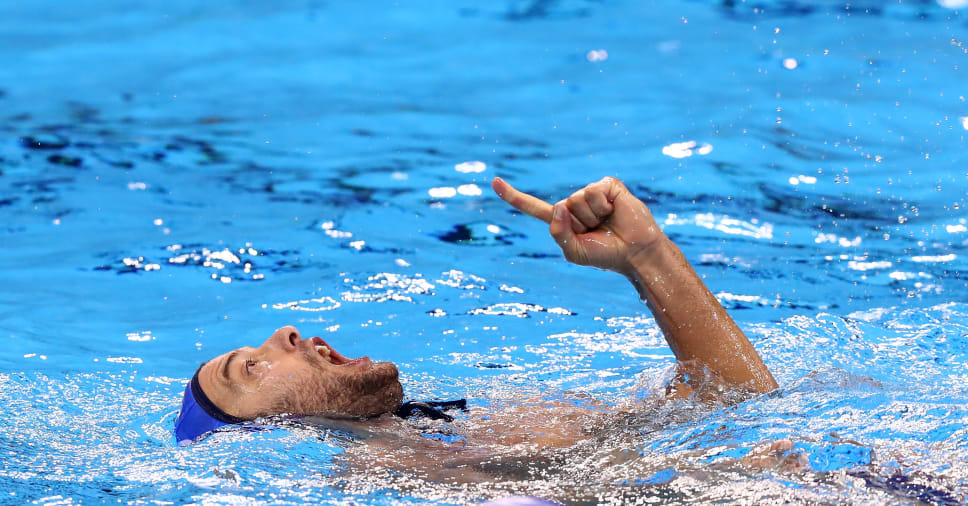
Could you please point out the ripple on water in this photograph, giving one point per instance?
(222, 264)
(518, 309)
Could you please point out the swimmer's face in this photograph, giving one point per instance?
(288, 374)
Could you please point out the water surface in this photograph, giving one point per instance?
(178, 181)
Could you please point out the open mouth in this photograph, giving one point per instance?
(324, 350)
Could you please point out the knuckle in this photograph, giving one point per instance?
(609, 181)
(599, 188)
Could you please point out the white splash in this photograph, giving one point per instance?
(686, 149)
(471, 167)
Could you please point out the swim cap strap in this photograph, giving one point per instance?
(430, 409)
(206, 404)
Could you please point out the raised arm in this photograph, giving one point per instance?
(605, 226)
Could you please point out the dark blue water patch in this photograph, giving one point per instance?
(44, 188)
(511, 156)
(46, 142)
(222, 264)
(109, 140)
(121, 164)
(424, 150)
(362, 132)
(493, 365)
(530, 10)
(918, 10)
(73, 148)
(757, 10)
(538, 255)
(479, 234)
(868, 212)
(801, 146)
(369, 248)
(389, 250)
(311, 186)
(66, 161)
(209, 154)
(80, 112)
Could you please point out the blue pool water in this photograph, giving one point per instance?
(180, 180)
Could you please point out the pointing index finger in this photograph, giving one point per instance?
(527, 204)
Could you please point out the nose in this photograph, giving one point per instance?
(286, 339)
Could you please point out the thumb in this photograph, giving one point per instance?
(563, 234)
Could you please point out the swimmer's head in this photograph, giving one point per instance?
(287, 374)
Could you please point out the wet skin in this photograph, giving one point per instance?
(288, 374)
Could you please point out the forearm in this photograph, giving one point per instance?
(696, 326)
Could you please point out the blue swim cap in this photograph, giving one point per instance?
(199, 415)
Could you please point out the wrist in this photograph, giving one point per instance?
(654, 267)
(646, 259)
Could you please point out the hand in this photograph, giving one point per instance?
(776, 456)
(602, 225)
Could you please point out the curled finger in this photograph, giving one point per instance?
(580, 209)
(599, 204)
(561, 229)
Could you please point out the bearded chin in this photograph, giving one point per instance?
(384, 400)
(370, 393)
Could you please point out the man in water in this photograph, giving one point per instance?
(602, 225)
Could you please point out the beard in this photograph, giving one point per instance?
(362, 394)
